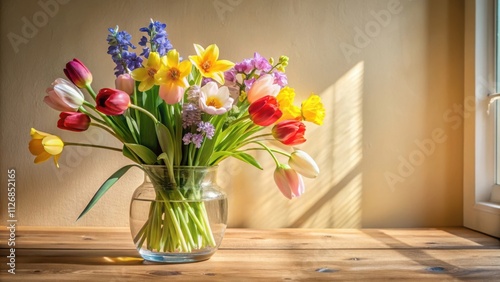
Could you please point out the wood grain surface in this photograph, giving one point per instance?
(107, 254)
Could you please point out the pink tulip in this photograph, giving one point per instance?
(73, 121)
(289, 181)
(264, 86)
(171, 93)
(64, 96)
(112, 102)
(126, 83)
(78, 73)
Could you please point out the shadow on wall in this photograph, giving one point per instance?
(331, 200)
(338, 151)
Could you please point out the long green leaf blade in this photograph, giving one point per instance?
(105, 187)
(143, 152)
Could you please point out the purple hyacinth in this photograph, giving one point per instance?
(119, 44)
(196, 139)
(158, 39)
(206, 128)
(193, 94)
(191, 115)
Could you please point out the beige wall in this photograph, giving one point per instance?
(389, 72)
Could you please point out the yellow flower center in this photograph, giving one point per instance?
(214, 102)
(174, 74)
(206, 66)
(151, 72)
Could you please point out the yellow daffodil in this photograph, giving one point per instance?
(146, 75)
(313, 110)
(44, 145)
(285, 99)
(172, 78)
(174, 72)
(206, 61)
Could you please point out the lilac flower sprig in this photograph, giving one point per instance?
(205, 129)
(158, 39)
(119, 44)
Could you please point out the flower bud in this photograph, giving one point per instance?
(78, 73)
(112, 102)
(64, 96)
(304, 164)
(289, 182)
(263, 86)
(126, 83)
(44, 145)
(289, 132)
(265, 111)
(73, 121)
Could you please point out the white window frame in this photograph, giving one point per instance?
(479, 142)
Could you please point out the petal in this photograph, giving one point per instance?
(146, 84)
(36, 147)
(211, 53)
(154, 60)
(282, 183)
(217, 76)
(196, 60)
(172, 58)
(222, 65)
(199, 50)
(184, 68)
(209, 89)
(298, 189)
(56, 158)
(42, 157)
(36, 134)
(139, 74)
(52, 145)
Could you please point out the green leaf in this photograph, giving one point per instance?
(166, 141)
(132, 125)
(127, 153)
(248, 159)
(143, 152)
(164, 156)
(238, 155)
(105, 187)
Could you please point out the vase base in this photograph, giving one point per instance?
(175, 257)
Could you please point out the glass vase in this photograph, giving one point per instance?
(178, 214)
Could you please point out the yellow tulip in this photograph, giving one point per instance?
(313, 109)
(206, 61)
(44, 145)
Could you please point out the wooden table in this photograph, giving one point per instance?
(107, 254)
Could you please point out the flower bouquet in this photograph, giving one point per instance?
(184, 116)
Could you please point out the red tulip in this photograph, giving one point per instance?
(112, 102)
(265, 111)
(289, 181)
(74, 121)
(78, 73)
(290, 132)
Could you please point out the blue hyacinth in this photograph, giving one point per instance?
(158, 39)
(119, 44)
